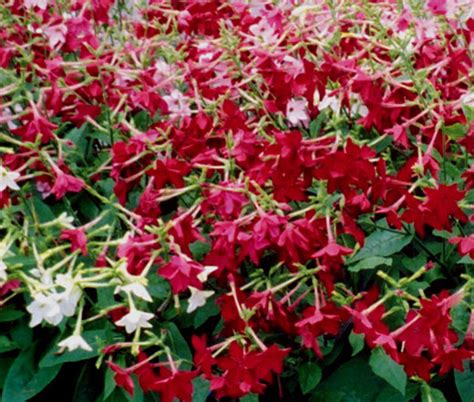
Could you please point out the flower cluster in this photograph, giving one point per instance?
(225, 199)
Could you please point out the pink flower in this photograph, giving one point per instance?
(66, 183)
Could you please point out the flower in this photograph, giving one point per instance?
(177, 104)
(137, 289)
(75, 342)
(56, 34)
(331, 102)
(66, 183)
(8, 179)
(264, 32)
(198, 298)
(41, 4)
(3, 272)
(206, 271)
(296, 112)
(135, 319)
(44, 307)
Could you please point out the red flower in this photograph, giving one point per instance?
(122, 378)
(465, 245)
(174, 384)
(66, 183)
(77, 237)
(181, 273)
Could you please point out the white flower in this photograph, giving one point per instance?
(44, 307)
(3, 272)
(42, 4)
(134, 320)
(75, 342)
(296, 112)
(56, 34)
(198, 298)
(137, 289)
(468, 99)
(264, 32)
(66, 220)
(207, 270)
(177, 104)
(8, 179)
(331, 102)
(67, 301)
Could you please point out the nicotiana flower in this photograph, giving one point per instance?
(198, 298)
(297, 113)
(468, 99)
(8, 179)
(177, 104)
(3, 272)
(331, 102)
(75, 342)
(41, 4)
(44, 307)
(56, 34)
(207, 270)
(135, 319)
(137, 289)
(264, 31)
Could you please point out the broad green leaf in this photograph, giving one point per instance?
(24, 380)
(6, 344)
(199, 249)
(387, 395)
(369, 263)
(94, 338)
(10, 314)
(178, 344)
(315, 125)
(357, 342)
(465, 383)
(309, 375)
(429, 394)
(210, 309)
(249, 398)
(200, 389)
(455, 131)
(353, 381)
(388, 369)
(381, 243)
(460, 315)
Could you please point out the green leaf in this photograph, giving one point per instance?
(369, 263)
(249, 398)
(465, 383)
(24, 380)
(381, 243)
(460, 315)
(309, 375)
(357, 342)
(388, 369)
(455, 131)
(468, 112)
(315, 125)
(199, 249)
(387, 395)
(353, 381)
(429, 394)
(10, 314)
(210, 309)
(6, 344)
(178, 344)
(5, 364)
(200, 389)
(93, 338)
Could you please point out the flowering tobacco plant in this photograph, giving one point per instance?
(222, 200)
